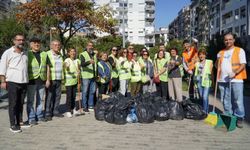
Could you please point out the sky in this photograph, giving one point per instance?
(167, 10)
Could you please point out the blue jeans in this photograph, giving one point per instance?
(35, 92)
(53, 98)
(88, 89)
(204, 93)
(232, 101)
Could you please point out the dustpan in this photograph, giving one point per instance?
(228, 121)
(212, 117)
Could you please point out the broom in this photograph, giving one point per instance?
(81, 112)
(212, 117)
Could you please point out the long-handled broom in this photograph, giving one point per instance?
(81, 112)
(212, 117)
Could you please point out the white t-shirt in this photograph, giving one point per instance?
(226, 66)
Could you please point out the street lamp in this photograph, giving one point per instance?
(50, 33)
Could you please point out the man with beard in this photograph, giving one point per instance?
(14, 78)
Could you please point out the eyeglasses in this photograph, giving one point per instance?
(114, 49)
(19, 39)
(145, 54)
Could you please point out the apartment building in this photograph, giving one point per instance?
(135, 19)
(229, 16)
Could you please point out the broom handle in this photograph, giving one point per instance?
(216, 85)
(78, 89)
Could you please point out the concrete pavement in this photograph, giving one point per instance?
(84, 132)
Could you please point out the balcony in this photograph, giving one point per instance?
(150, 16)
(149, 33)
(150, 1)
(122, 8)
(150, 8)
(149, 41)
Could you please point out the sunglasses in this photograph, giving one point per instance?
(114, 49)
(145, 54)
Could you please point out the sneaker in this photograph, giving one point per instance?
(239, 123)
(68, 114)
(25, 124)
(33, 123)
(78, 113)
(15, 129)
(42, 120)
(91, 109)
(48, 118)
(86, 109)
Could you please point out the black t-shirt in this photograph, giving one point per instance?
(38, 80)
(173, 70)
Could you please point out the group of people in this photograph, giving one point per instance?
(41, 74)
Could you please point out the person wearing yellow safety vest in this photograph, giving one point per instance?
(88, 73)
(175, 73)
(104, 74)
(37, 70)
(161, 71)
(113, 61)
(162, 48)
(147, 72)
(203, 77)
(54, 80)
(72, 73)
(124, 67)
(135, 80)
(231, 64)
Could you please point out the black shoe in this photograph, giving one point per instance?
(48, 118)
(42, 120)
(239, 123)
(33, 123)
(86, 109)
(15, 129)
(25, 124)
(58, 115)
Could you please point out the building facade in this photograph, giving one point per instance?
(135, 19)
(161, 36)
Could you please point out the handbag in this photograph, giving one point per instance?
(156, 79)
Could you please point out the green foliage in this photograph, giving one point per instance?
(78, 42)
(138, 47)
(8, 28)
(175, 43)
(105, 43)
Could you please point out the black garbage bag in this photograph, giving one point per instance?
(109, 114)
(120, 116)
(161, 110)
(145, 113)
(193, 111)
(176, 110)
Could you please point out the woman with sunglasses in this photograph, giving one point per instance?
(147, 72)
(124, 67)
(113, 61)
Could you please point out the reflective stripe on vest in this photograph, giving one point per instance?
(124, 69)
(87, 72)
(114, 73)
(160, 64)
(55, 72)
(206, 74)
(101, 66)
(35, 71)
(136, 72)
(235, 61)
(71, 73)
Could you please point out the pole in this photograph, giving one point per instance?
(123, 25)
(50, 35)
(190, 40)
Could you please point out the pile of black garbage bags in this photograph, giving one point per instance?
(145, 108)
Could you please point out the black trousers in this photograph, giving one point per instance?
(103, 88)
(115, 84)
(162, 89)
(16, 95)
(53, 98)
(191, 88)
(71, 97)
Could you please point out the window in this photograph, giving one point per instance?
(217, 22)
(140, 31)
(243, 30)
(243, 12)
(130, 5)
(236, 13)
(237, 30)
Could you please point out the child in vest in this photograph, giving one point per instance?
(202, 77)
(104, 74)
(71, 70)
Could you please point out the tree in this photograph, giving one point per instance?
(68, 16)
(107, 42)
(8, 28)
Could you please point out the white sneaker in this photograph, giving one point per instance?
(91, 109)
(77, 113)
(68, 114)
